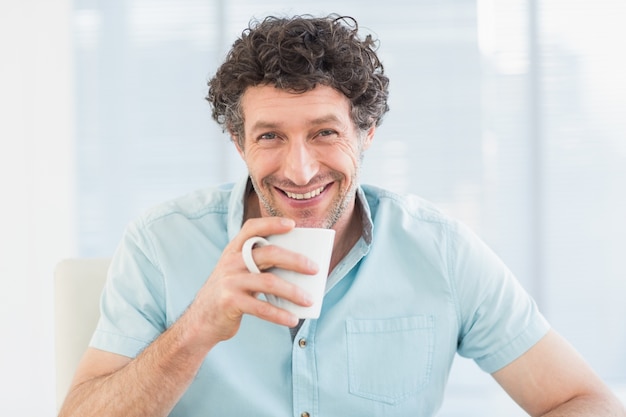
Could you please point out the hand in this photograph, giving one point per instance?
(231, 291)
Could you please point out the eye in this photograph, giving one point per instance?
(326, 133)
(267, 136)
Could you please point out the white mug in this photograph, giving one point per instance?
(314, 243)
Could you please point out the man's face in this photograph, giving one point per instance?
(303, 154)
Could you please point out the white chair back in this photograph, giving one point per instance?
(77, 287)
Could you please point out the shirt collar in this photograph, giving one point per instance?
(366, 216)
(236, 205)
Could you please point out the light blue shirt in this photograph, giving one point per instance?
(415, 289)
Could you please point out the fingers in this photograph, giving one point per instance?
(272, 256)
(269, 283)
(226, 297)
(263, 226)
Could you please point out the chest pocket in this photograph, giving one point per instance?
(389, 359)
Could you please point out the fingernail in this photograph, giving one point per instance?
(312, 265)
(287, 222)
(308, 298)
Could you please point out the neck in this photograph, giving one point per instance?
(346, 235)
(251, 208)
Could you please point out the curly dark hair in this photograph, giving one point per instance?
(297, 54)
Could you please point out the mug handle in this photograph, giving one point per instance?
(246, 252)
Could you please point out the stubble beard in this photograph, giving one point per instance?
(338, 207)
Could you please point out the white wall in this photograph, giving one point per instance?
(36, 165)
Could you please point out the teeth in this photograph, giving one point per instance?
(305, 196)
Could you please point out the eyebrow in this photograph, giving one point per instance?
(330, 118)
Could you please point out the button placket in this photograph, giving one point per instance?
(304, 371)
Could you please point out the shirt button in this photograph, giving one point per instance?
(302, 344)
(305, 414)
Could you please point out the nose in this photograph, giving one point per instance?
(300, 164)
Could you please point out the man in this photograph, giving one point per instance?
(185, 330)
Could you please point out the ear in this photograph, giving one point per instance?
(369, 137)
(235, 139)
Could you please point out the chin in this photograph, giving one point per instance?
(316, 225)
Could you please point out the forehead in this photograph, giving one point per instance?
(268, 104)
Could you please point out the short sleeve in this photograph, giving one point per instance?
(499, 319)
(132, 302)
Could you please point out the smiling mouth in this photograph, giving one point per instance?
(305, 196)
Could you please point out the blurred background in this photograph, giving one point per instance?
(509, 114)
